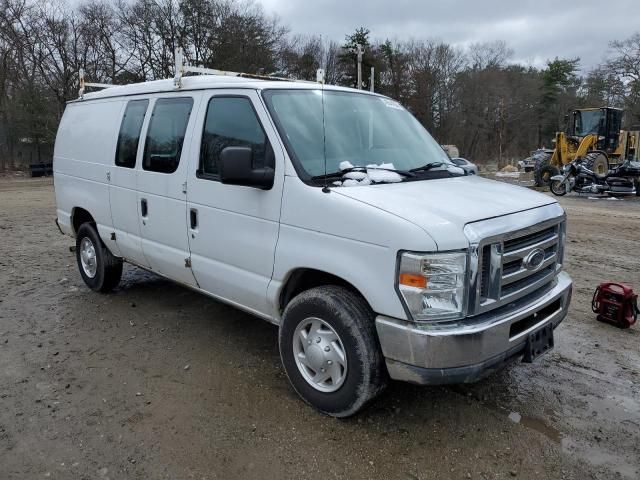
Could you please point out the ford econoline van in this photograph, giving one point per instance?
(327, 211)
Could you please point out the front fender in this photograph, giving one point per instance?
(557, 178)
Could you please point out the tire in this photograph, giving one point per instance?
(637, 185)
(557, 188)
(100, 270)
(544, 171)
(347, 316)
(597, 162)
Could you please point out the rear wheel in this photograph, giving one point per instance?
(100, 270)
(330, 351)
(544, 171)
(597, 162)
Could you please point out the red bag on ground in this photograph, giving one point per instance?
(615, 303)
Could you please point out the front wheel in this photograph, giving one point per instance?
(330, 351)
(558, 187)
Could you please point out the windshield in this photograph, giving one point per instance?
(360, 129)
(587, 121)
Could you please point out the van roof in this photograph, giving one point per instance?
(205, 82)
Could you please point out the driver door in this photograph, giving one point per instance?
(233, 229)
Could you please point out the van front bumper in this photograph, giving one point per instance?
(470, 349)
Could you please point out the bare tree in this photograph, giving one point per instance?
(476, 97)
(626, 65)
(489, 54)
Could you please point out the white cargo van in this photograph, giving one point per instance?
(327, 211)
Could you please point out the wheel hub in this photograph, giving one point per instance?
(315, 356)
(88, 258)
(319, 355)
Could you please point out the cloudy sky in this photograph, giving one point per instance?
(535, 30)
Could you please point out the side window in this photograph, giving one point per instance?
(129, 135)
(232, 122)
(165, 135)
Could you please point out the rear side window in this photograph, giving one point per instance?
(165, 135)
(129, 135)
(232, 122)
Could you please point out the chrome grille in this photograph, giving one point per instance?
(513, 263)
(516, 276)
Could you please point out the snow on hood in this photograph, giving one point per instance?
(374, 173)
(442, 207)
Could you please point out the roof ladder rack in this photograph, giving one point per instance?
(84, 84)
(182, 67)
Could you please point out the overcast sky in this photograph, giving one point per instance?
(535, 30)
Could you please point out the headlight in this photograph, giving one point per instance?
(563, 238)
(432, 286)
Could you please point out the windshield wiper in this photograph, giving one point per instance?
(404, 173)
(427, 167)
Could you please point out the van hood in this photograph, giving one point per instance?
(442, 207)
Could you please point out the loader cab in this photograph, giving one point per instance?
(604, 122)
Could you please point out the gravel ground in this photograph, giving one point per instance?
(155, 381)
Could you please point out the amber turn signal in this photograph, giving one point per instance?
(413, 280)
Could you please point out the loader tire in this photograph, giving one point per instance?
(597, 162)
(544, 171)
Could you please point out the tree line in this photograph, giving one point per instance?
(477, 98)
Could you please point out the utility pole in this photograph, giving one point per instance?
(500, 129)
(371, 78)
(359, 51)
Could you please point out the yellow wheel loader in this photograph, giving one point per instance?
(592, 134)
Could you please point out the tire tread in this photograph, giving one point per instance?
(359, 319)
(110, 272)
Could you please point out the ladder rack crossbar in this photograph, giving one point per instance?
(182, 67)
(98, 85)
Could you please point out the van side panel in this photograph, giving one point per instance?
(83, 155)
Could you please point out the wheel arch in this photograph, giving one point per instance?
(303, 279)
(79, 216)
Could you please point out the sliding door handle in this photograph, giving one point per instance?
(193, 218)
(144, 208)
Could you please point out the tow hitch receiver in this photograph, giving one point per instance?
(538, 343)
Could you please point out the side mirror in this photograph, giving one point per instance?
(236, 168)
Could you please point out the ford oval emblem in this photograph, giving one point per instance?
(534, 259)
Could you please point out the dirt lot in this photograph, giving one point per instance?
(155, 381)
